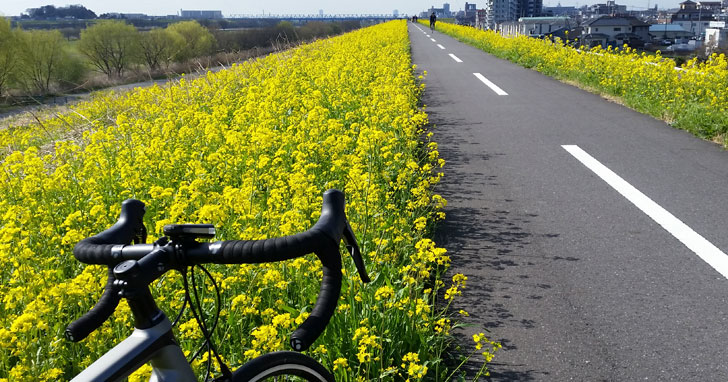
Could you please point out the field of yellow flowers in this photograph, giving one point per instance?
(250, 149)
(693, 97)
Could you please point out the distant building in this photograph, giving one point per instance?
(538, 27)
(716, 37)
(693, 17)
(480, 19)
(669, 32)
(443, 12)
(500, 11)
(127, 16)
(610, 8)
(616, 31)
(649, 15)
(560, 11)
(134, 16)
(193, 14)
(710, 6)
(468, 16)
(530, 8)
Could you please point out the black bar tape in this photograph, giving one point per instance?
(91, 253)
(98, 249)
(328, 297)
(95, 317)
(265, 251)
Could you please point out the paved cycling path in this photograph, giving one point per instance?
(566, 265)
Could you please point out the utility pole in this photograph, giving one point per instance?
(700, 16)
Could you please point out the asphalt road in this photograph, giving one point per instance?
(582, 273)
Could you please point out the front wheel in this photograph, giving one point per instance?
(282, 366)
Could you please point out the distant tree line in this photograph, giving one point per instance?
(36, 61)
(112, 47)
(43, 61)
(51, 12)
(283, 32)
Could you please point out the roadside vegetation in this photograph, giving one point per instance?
(250, 149)
(693, 96)
(39, 62)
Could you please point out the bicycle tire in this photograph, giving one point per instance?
(282, 366)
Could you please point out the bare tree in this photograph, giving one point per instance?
(110, 46)
(193, 40)
(157, 47)
(8, 53)
(42, 53)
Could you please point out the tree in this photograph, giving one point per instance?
(193, 40)
(157, 47)
(8, 53)
(285, 32)
(314, 29)
(110, 46)
(42, 54)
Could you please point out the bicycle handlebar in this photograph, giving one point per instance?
(109, 300)
(111, 247)
(98, 249)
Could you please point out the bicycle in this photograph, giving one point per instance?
(133, 267)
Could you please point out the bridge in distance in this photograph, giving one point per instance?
(318, 17)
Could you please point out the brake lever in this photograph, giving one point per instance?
(353, 249)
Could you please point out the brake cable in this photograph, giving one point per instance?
(207, 343)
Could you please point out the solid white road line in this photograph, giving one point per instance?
(691, 239)
(454, 57)
(440, 46)
(490, 84)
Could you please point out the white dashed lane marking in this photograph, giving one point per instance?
(490, 84)
(454, 57)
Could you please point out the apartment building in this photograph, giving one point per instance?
(499, 11)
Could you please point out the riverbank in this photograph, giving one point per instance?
(24, 103)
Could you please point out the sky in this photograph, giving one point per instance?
(247, 7)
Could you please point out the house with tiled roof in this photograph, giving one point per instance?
(616, 31)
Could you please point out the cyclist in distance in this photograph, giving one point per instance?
(433, 18)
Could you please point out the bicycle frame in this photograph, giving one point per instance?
(155, 344)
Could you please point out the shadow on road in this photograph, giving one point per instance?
(485, 236)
